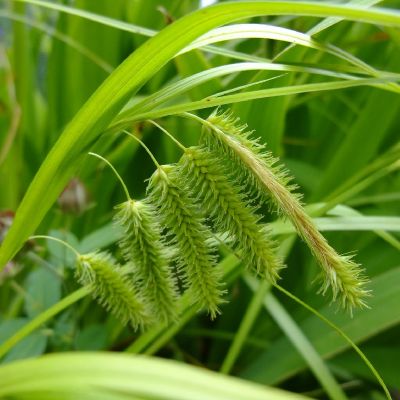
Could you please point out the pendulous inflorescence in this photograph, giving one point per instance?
(253, 164)
(230, 210)
(216, 187)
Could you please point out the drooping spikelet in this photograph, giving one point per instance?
(195, 256)
(112, 288)
(244, 155)
(231, 211)
(141, 246)
(249, 159)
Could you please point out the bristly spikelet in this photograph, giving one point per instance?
(141, 245)
(112, 288)
(195, 256)
(231, 211)
(227, 136)
(249, 158)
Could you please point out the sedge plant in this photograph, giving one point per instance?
(318, 96)
(180, 199)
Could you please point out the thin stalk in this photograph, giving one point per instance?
(196, 118)
(176, 141)
(43, 317)
(342, 334)
(128, 196)
(248, 85)
(56, 240)
(148, 151)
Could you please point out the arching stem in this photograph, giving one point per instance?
(148, 151)
(56, 240)
(176, 141)
(128, 197)
(341, 333)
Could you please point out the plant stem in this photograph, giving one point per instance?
(176, 141)
(128, 197)
(148, 151)
(341, 333)
(64, 243)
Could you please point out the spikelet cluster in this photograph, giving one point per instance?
(230, 210)
(195, 256)
(143, 248)
(252, 163)
(214, 186)
(112, 287)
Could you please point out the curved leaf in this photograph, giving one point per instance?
(81, 375)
